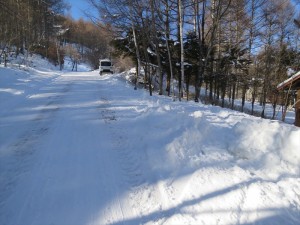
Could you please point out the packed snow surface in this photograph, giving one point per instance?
(77, 148)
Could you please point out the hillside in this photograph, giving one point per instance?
(79, 148)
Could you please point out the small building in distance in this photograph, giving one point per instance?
(293, 83)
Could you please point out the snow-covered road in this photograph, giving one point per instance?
(68, 163)
(80, 149)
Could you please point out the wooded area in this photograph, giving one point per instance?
(234, 49)
(29, 25)
(39, 26)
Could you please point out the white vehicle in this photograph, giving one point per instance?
(105, 66)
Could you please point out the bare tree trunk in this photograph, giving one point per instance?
(233, 94)
(150, 81)
(181, 48)
(171, 68)
(137, 52)
(159, 69)
(253, 99)
(138, 72)
(58, 53)
(274, 104)
(224, 84)
(264, 99)
(244, 90)
(200, 29)
(167, 36)
(5, 59)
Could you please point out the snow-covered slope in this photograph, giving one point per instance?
(79, 148)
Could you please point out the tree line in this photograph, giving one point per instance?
(229, 48)
(28, 24)
(40, 26)
(89, 41)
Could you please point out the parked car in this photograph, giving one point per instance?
(105, 66)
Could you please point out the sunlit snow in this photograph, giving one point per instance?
(77, 148)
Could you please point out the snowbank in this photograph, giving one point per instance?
(37, 62)
(88, 149)
(196, 135)
(267, 145)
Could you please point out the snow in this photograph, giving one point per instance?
(79, 148)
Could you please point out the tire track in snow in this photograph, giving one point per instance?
(107, 114)
(128, 158)
(20, 153)
(142, 198)
(128, 163)
(143, 201)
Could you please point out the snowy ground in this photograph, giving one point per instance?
(77, 148)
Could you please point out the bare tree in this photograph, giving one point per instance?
(155, 6)
(29, 24)
(277, 16)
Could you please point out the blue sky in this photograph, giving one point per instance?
(78, 7)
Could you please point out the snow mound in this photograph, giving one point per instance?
(202, 139)
(254, 139)
(268, 144)
(291, 147)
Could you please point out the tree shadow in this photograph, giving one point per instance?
(278, 217)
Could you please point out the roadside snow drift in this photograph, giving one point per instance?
(79, 149)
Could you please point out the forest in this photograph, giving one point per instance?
(231, 49)
(41, 26)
